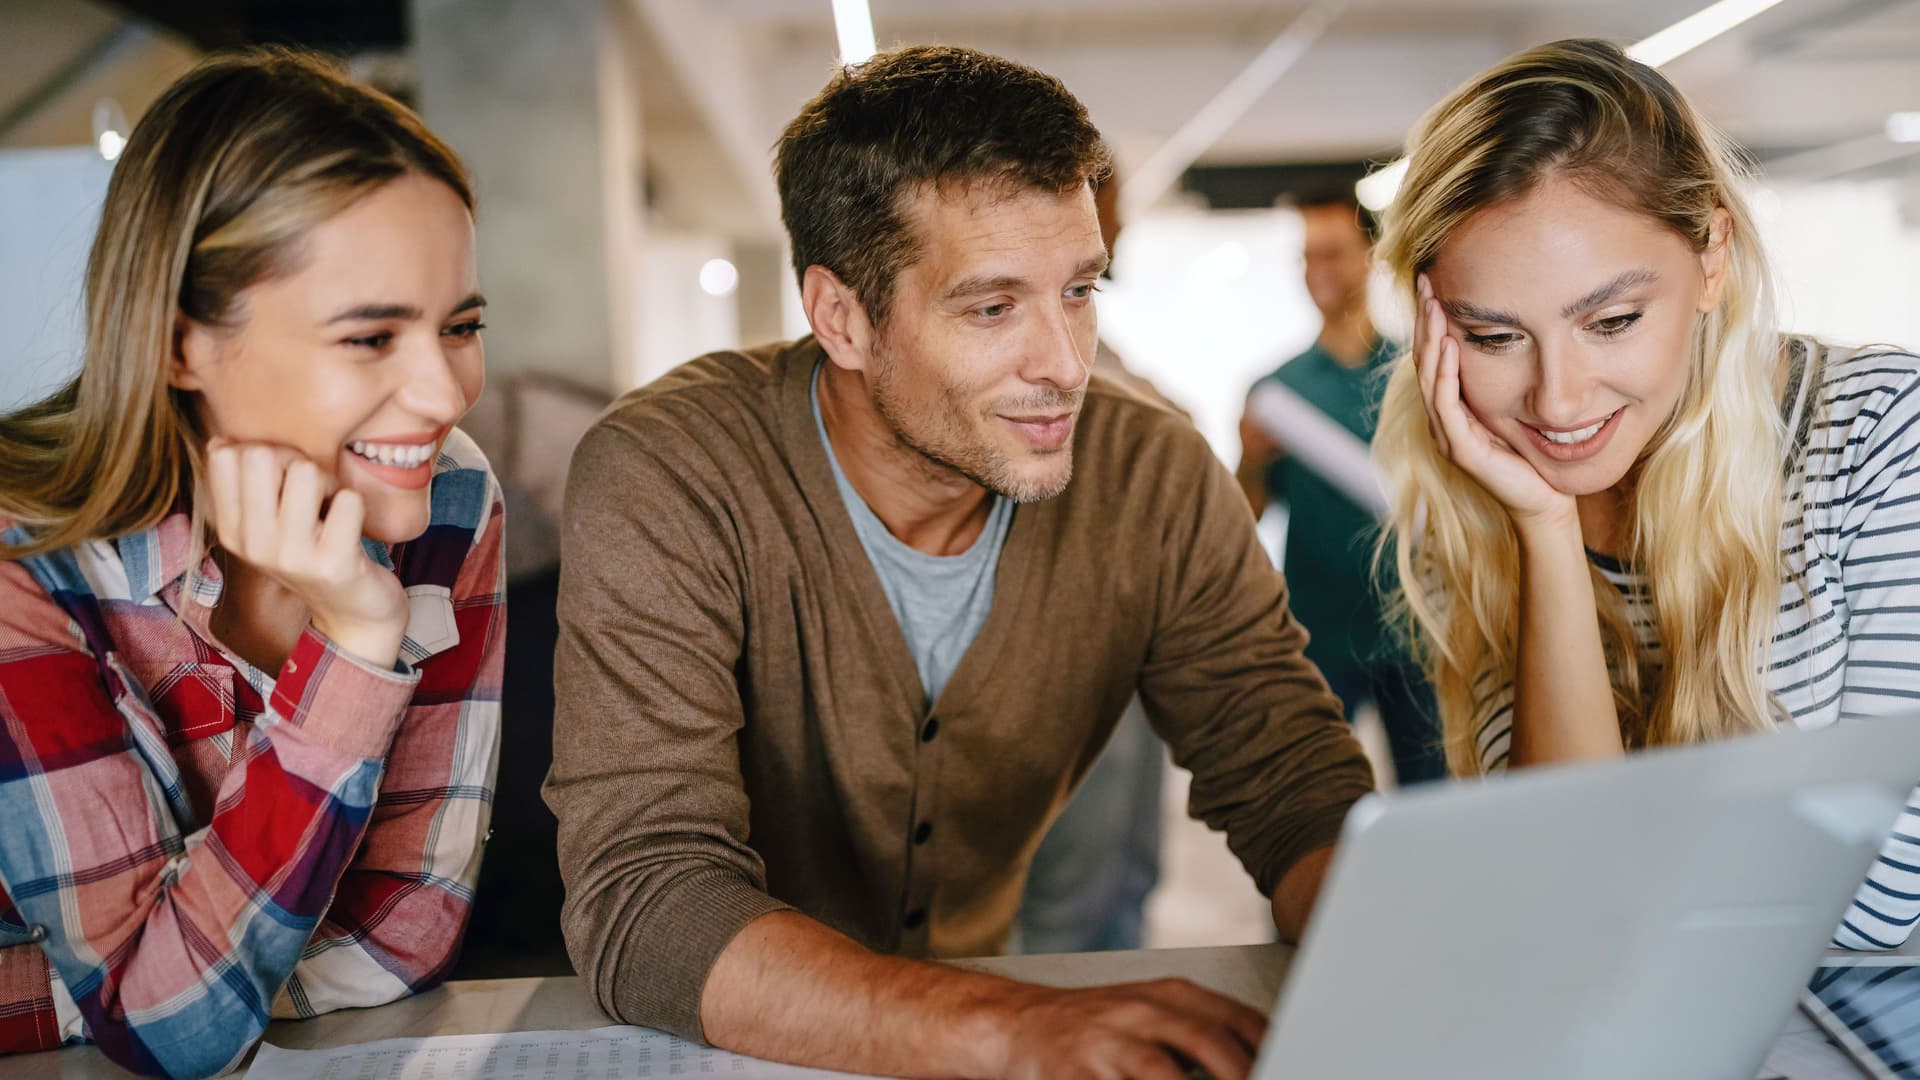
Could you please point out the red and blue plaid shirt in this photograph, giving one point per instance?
(191, 845)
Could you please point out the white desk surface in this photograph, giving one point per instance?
(1251, 973)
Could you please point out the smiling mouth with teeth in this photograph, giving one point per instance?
(1569, 438)
(399, 457)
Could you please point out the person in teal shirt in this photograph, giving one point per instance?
(1330, 538)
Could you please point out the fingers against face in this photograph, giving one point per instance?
(1455, 425)
(1430, 338)
(223, 474)
(340, 533)
(1455, 430)
(299, 518)
(266, 501)
(260, 478)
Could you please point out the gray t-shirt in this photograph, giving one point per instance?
(940, 601)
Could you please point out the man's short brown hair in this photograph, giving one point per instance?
(925, 116)
(1318, 194)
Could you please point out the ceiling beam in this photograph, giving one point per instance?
(97, 56)
(1162, 171)
(344, 26)
(1790, 38)
(710, 61)
(1838, 159)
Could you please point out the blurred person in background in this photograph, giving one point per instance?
(1328, 558)
(844, 621)
(1088, 886)
(250, 586)
(1630, 512)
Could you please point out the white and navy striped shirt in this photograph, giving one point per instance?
(1846, 642)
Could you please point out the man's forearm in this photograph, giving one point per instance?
(788, 988)
(1299, 889)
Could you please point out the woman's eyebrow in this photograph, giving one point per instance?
(404, 312)
(1463, 311)
(1627, 280)
(375, 311)
(1467, 311)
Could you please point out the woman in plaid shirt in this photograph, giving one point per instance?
(251, 586)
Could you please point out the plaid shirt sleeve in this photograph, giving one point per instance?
(336, 868)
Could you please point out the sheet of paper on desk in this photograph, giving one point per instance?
(1804, 1053)
(609, 1053)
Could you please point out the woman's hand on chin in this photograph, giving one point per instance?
(1466, 442)
(286, 517)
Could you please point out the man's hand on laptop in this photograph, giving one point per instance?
(1139, 1031)
(790, 989)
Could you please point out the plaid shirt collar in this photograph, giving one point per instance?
(150, 567)
(154, 559)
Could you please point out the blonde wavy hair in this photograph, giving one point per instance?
(214, 191)
(1705, 517)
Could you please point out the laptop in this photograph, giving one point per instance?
(1649, 918)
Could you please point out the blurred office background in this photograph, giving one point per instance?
(628, 221)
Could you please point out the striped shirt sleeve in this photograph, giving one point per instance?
(1493, 722)
(1878, 550)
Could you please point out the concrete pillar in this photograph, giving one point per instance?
(540, 99)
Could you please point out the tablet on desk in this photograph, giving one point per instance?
(1870, 1005)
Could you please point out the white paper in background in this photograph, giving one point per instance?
(609, 1053)
(1337, 455)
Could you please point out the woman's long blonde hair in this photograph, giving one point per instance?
(1705, 517)
(215, 189)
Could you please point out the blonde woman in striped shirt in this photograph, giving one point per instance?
(1629, 512)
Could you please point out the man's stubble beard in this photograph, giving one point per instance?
(947, 446)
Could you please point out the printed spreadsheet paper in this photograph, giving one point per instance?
(629, 1053)
(609, 1053)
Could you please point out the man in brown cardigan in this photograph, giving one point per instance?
(838, 636)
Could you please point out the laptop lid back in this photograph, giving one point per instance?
(1653, 917)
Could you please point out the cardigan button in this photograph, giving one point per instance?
(924, 833)
(36, 933)
(933, 728)
(916, 919)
